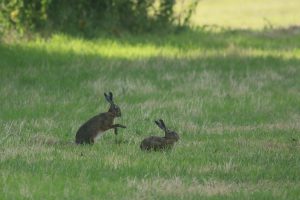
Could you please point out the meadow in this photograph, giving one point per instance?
(232, 94)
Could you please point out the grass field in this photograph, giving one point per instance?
(232, 95)
(254, 14)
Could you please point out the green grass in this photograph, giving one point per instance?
(233, 96)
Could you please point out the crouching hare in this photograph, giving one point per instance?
(100, 123)
(160, 143)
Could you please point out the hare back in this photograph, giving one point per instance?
(154, 143)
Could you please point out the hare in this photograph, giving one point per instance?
(100, 123)
(160, 143)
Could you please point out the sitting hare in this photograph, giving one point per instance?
(100, 123)
(160, 143)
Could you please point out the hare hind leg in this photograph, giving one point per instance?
(98, 136)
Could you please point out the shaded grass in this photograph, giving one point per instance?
(233, 96)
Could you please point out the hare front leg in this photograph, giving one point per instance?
(116, 126)
(116, 131)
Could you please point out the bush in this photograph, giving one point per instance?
(88, 16)
(23, 14)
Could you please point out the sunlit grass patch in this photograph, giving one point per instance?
(189, 45)
(247, 14)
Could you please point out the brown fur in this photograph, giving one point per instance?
(160, 143)
(87, 133)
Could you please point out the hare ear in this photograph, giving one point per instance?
(162, 124)
(159, 124)
(107, 98)
(111, 96)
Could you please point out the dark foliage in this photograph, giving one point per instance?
(90, 16)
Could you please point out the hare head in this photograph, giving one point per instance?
(114, 108)
(169, 134)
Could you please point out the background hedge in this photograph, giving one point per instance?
(89, 16)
